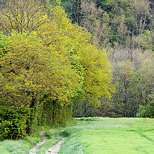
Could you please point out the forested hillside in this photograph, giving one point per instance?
(125, 28)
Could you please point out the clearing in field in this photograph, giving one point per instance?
(110, 136)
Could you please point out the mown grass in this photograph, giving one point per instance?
(110, 136)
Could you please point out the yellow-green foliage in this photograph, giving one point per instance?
(4, 44)
(33, 67)
(54, 59)
(97, 75)
(21, 15)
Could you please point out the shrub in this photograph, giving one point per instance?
(13, 122)
(146, 111)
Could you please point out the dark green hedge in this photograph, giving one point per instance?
(13, 122)
(49, 113)
(19, 122)
(146, 111)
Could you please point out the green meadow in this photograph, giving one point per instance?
(92, 136)
(110, 136)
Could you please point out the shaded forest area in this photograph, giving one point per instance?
(95, 59)
(125, 29)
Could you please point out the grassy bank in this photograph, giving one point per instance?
(23, 146)
(108, 136)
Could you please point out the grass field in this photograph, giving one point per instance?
(93, 136)
(110, 136)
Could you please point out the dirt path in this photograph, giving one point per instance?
(55, 148)
(52, 150)
(37, 146)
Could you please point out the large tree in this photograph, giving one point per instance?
(49, 55)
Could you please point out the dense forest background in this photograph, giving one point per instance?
(74, 57)
(125, 28)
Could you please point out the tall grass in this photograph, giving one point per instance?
(23, 146)
(14, 147)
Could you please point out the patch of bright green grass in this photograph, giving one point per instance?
(14, 147)
(110, 136)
